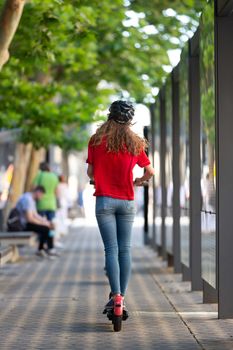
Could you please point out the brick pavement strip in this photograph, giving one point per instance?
(201, 319)
(58, 304)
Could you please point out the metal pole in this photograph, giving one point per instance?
(146, 201)
(224, 58)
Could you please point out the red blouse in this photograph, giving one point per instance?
(113, 172)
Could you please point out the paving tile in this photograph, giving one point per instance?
(58, 304)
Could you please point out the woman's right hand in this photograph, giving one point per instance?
(143, 181)
(140, 182)
(137, 181)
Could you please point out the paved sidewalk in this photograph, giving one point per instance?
(58, 304)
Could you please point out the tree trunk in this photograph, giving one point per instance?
(37, 156)
(22, 158)
(65, 164)
(9, 21)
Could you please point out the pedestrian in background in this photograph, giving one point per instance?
(47, 205)
(31, 221)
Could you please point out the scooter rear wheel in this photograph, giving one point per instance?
(117, 321)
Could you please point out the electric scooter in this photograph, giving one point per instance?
(117, 314)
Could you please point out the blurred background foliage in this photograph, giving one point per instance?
(68, 58)
(207, 67)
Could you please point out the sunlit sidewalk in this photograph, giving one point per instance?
(58, 304)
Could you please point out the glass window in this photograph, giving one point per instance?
(184, 158)
(208, 163)
(157, 176)
(150, 188)
(168, 169)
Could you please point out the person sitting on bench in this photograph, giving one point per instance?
(32, 221)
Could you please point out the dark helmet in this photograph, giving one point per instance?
(121, 111)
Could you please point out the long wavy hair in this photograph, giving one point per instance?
(119, 138)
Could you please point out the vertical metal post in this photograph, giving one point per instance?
(162, 167)
(224, 58)
(176, 169)
(146, 201)
(195, 168)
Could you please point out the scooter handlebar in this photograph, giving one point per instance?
(144, 183)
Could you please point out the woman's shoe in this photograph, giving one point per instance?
(41, 253)
(109, 306)
(53, 252)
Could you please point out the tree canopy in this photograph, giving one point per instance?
(68, 58)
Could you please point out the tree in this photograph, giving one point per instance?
(9, 21)
(77, 46)
(76, 56)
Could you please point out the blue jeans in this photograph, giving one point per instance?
(50, 215)
(115, 220)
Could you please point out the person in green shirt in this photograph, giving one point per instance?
(47, 205)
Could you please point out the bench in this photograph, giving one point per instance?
(15, 239)
(6, 254)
